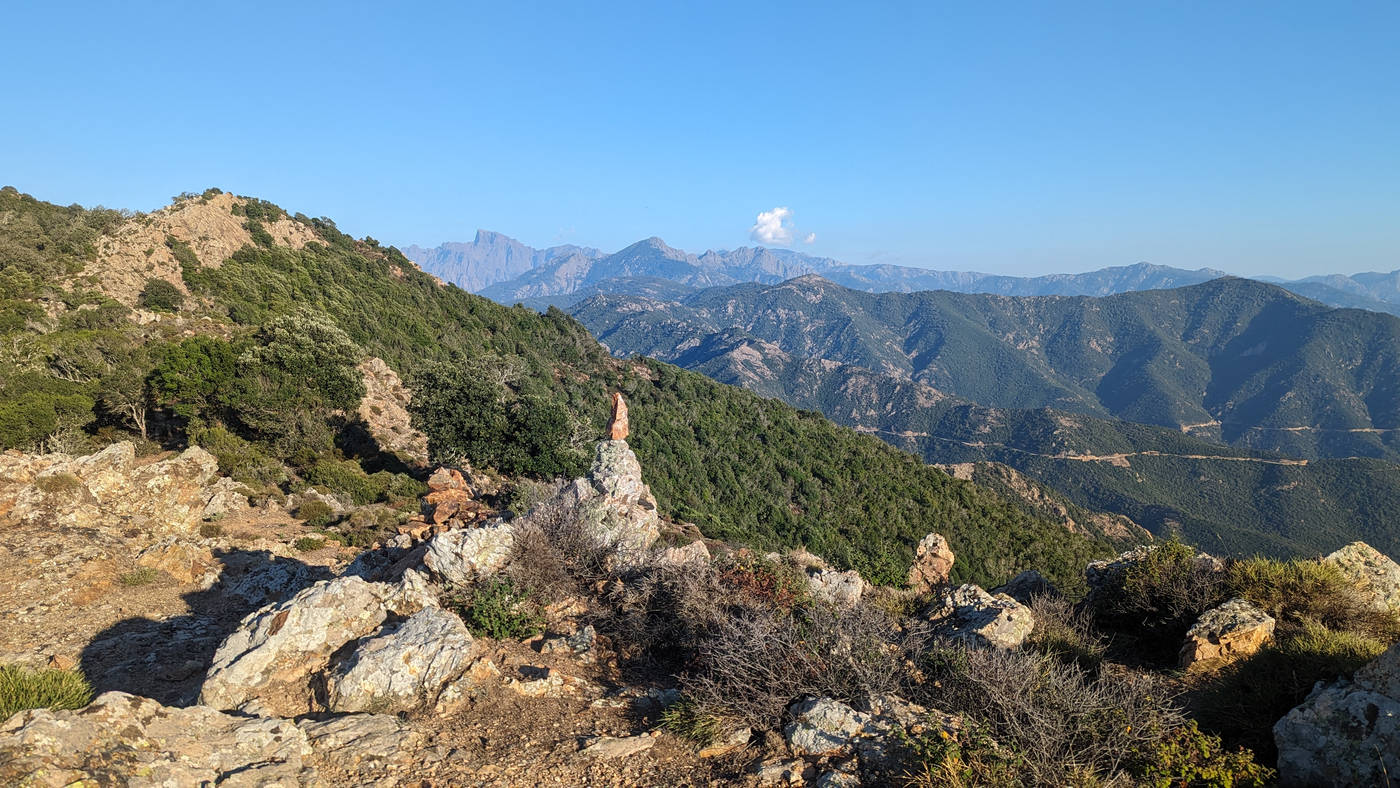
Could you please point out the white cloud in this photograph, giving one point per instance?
(810, 239)
(773, 227)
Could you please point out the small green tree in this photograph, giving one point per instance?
(160, 296)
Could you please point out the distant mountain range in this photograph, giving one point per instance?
(509, 272)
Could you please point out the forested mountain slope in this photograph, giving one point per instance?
(1228, 498)
(251, 353)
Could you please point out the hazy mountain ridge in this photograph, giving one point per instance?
(562, 276)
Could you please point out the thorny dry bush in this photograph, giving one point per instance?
(1060, 722)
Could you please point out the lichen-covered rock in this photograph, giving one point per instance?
(394, 670)
(693, 554)
(1231, 631)
(276, 649)
(1026, 585)
(971, 615)
(933, 561)
(1346, 733)
(113, 488)
(616, 505)
(186, 563)
(843, 589)
(464, 556)
(122, 739)
(1375, 576)
(824, 727)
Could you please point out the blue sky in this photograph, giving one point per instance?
(1256, 137)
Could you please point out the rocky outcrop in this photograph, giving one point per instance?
(122, 739)
(1231, 631)
(970, 615)
(616, 505)
(464, 556)
(618, 425)
(275, 651)
(1346, 733)
(826, 728)
(843, 589)
(1375, 576)
(933, 562)
(385, 409)
(693, 554)
(394, 670)
(115, 489)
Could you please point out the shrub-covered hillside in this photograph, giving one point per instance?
(253, 364)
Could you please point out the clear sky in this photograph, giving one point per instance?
(1255, 137)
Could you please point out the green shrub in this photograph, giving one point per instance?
(936, 757)
(1163, 593)
(21, 688)
(346, 476)
(160, 296)
(1186, 756)
(142, 576)
(239, 459)
(501, 611)
(317, 514)
(182, 252)
(211, 530)
(307, 544)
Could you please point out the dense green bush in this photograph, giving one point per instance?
(1162, 594)
(499, 610)
(22, 688)
(160, 296)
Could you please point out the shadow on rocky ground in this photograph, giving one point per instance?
(166, 659)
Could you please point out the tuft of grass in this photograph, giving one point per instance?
(210, 530)
(59, 484)
(689, 720)
(1299, 591)
(1067, 632)
(22, 688)
(141, 576)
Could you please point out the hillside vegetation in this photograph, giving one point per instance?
(256, 365)
(822, 347)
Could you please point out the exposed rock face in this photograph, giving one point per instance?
(125, 739)
(1375, 575)
(122, 739)
(618, 426)
(1026, 585)
(188, 564)
(824, 727)
(1234, 630)
(1347, 733)
(112, 488)
(971, 615)
(392, 671)
(465, 556)
(385, 409)
(933, 561)
(614, 501)
(843, 589)
(695, 553)
(275, 650)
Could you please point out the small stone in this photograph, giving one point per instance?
(1231, 631)
(606, 748)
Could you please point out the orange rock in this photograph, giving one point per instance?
(618, 426)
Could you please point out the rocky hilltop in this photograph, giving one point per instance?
(585, 639)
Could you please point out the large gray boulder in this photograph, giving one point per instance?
(824, 727)
(1375, 577)
(842, 589)
(465, 556)
(275, 650)
(969, 614)
(616, 505)
(127, 740)
(1346, 733)
(409, 663)
(122, 739)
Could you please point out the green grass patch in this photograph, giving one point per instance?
(22, 688)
